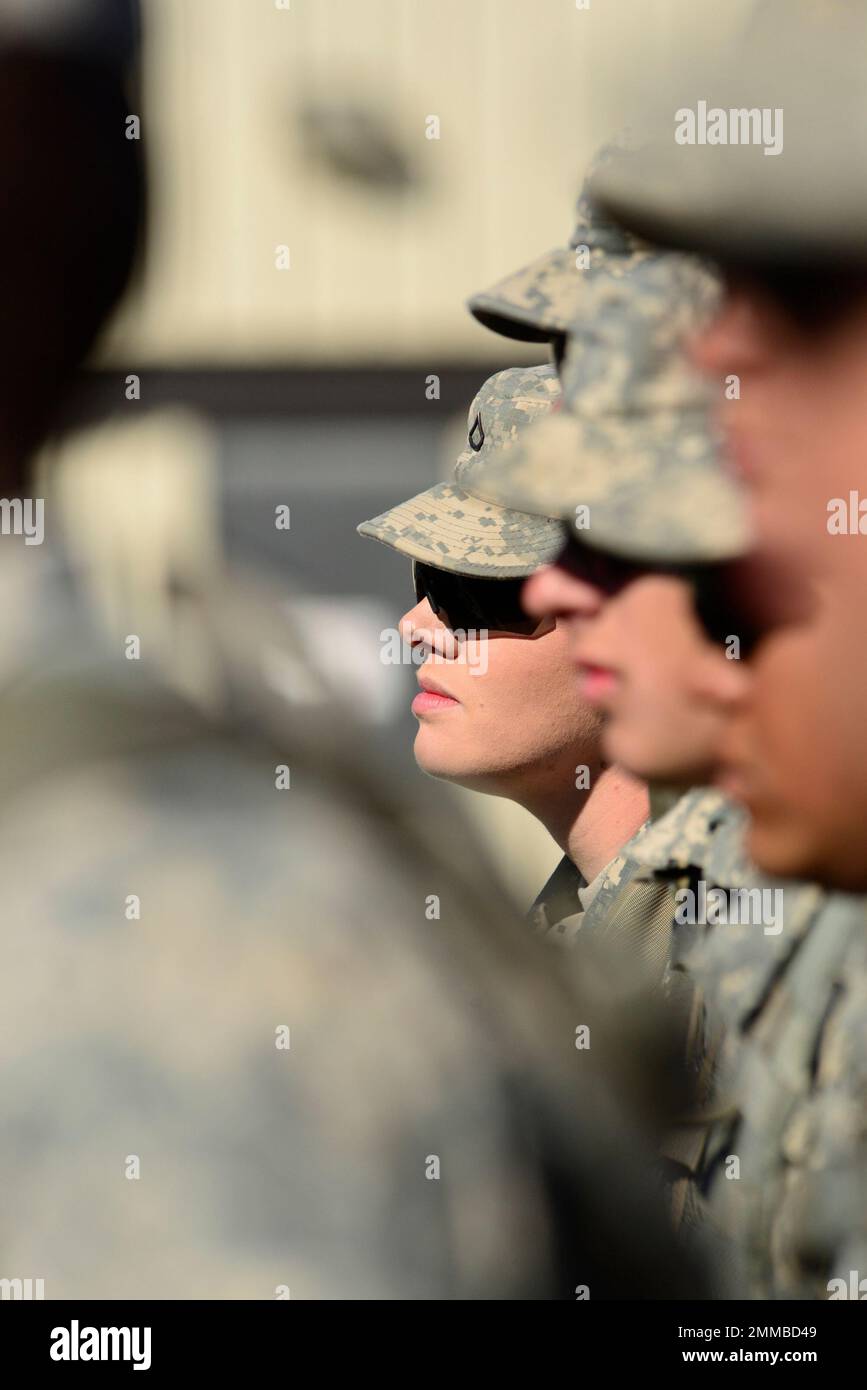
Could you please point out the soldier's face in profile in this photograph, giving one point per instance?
(632, 646)
(661, 724)
(509, 725)
(797, 434)
(795, 749)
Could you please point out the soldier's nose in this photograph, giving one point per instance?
(737, 338)
(554, 592)
(419, 615)
(723, 682)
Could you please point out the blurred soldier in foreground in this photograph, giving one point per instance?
(790, 232)
(264, 1034)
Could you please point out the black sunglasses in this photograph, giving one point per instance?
(602, 571)
(729, 598)
(753, 597)
(814, 303)
(465, 604)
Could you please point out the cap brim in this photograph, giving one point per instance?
(535, 303)
(735, 213)
(770, 171)
(453, 530)
(654, 491)
(545, 299)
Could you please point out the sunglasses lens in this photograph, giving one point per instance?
(812, 302)
(465, 604)
(751, 598)
(604, 572)
(500, 603)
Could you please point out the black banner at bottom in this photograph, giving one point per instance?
(160, 1339)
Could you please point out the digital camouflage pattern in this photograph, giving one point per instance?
(783, 1086)
(633, 919)
(790, 1096)
(783, 1167)
(700, 822)
(448, 525)
(542, 300)
(330, 1090)
(631, 910)
(732, 201)
(632, 461)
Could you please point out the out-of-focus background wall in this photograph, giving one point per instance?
(310, 250)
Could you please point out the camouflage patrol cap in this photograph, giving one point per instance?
(542, 299)
(448, 525)
(774, 145)
(632, 461)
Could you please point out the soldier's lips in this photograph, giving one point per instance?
(596, 683)
(430, 699)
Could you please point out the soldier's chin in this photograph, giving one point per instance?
(450, 760)
(436, 754)
(788, 847)
(647, 757)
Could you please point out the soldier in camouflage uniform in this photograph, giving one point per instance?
(265, 1032)
(790, 233)
(547, 301)
(545, 736)
(626, 401)
(793, 240)
(775, 1151)
(630, 410)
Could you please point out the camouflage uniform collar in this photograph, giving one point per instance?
(564, 903)
(690, 823)
(662, 799)
(558, 900)
(727, 862)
